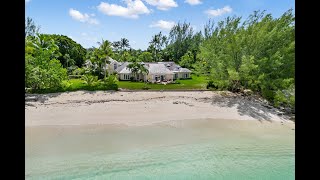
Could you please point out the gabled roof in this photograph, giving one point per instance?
(184, 70)
(154, 67)
(125, 71)
(121, 67)
(158, 69)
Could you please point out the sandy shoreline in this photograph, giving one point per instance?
(143, 108)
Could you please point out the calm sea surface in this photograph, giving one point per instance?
(190, 149)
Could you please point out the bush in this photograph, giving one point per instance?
(210, 84)
(285, 97)
(78, 71)
(110, 80)
(89, 80)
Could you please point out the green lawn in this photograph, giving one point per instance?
(196, 83)
(186, 84)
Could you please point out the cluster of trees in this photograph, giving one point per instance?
(257, 53)
(50, 58)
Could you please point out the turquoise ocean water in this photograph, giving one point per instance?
(192, 149)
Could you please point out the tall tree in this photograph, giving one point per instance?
(156, 45)
(68, 46)
(124, 45)
(104, 54)
(137, 67)
(30, 27)
(42, 69)
(180, 40)
(258, 54)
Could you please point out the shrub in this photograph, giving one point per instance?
(78, 71)
(210, 84)
(89, 80)
(110, 80)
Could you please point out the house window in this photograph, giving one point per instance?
(176, 76)
(126, 76)
(114, 66)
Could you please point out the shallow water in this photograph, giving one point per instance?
(190, 149)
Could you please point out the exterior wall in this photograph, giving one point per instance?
(181, 75)
(141, 76)
(169, 76)
(124, 77)
(152, 77)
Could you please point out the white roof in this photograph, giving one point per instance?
(158, 69)
(125, 71)
(184, 70)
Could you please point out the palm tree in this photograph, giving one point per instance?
(155, 41)
(124, 43)
(69, 61)
(137, 67)
(106, 52)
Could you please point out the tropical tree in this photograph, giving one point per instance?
(106, 50)
(124, 44)
(42, 69)
(137, 67)
(180, 40)
(69, 62)
(156, 45)
(30, 27)
(68, 46)
(258, 54)
(145, 57)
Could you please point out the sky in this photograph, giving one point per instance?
(90, 21)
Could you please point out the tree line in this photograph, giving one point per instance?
(256, 53)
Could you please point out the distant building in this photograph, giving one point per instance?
(157, 71)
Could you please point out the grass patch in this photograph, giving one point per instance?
(78, 84)
(196, 83)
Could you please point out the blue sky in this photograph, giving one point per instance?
(88, 21)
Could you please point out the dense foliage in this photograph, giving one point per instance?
(258, 54)
(69, 49)
(42, 69)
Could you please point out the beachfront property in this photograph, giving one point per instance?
(157, 71)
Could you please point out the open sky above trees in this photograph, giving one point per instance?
(89, 21)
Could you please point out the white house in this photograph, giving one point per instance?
(157, 71)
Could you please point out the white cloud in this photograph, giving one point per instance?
(163, 4)
(26, 1)
(133, 10)
(83, 34)
(193, 2)
(219, 12)
(166, 25)
(77, 15)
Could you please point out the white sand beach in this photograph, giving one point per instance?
(143, 108)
